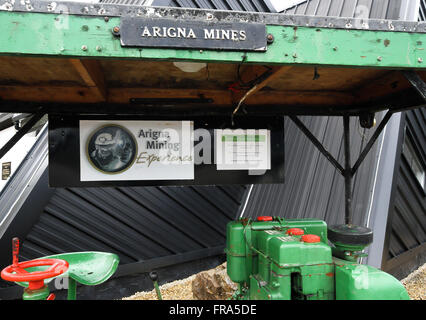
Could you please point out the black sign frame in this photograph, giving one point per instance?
(64, 153)
(179, 34)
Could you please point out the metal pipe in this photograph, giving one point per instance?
(317, 144)
(348, 171)
(154, 278)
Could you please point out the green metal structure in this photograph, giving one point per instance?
(72, 58)
(86, 268)
(85, 36)
(292, 260)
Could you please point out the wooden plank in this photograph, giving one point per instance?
(390, 83)
(266, 78)
(91, 73)
(123, 95)
(326, 78)
(49, 94)
(37, 70)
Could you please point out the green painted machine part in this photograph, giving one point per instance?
(154, 278)
(87, 268)
(279, 259)
(349, 241)
(362, 282)
(40, 294)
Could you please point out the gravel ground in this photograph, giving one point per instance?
(415, 284)
(176, 290)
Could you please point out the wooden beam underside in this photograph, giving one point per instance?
(92, 75)
(82, 94)
(117, 82)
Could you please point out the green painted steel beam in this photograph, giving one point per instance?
(63, 35)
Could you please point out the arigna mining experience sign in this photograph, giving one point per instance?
(136, 150)
(141, 32)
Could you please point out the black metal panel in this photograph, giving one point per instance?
(138, 224)
(162, 33)
(407, 214)
(64, 152)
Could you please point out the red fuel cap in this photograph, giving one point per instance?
(264, 218)
(311, 238)
(295, 232)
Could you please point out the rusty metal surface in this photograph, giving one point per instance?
(118, 10)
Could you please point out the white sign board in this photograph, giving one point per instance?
(243, 149)
(136, 150)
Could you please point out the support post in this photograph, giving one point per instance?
(72, 289)
(347, 171)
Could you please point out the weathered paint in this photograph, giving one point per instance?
(83, 36)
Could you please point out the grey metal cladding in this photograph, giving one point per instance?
(408, 214)
(373, 9)
(422, 10)
(138, 224)
(313, 188)
(234, 5)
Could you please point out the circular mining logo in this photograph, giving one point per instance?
(111, 149)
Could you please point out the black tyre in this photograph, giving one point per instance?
(352, 235)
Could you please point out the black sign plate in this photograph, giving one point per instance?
(164, 33)
(68, 164)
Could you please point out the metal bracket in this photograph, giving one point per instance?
(317, 144)
(27, 127)
(417, 82)
(347, 171)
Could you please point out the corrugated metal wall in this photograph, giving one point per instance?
(237, 5)
(373, 9)
(422, 11)
(406, 242)
(138, 223)
(313, 188)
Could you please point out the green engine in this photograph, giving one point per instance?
(277, 259)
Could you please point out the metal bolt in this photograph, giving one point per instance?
(335, 48)
(98, 48)
(379, 58)
(116, 30)
(84, 47)
(106, 19)
(270, 38)
(420, 60)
